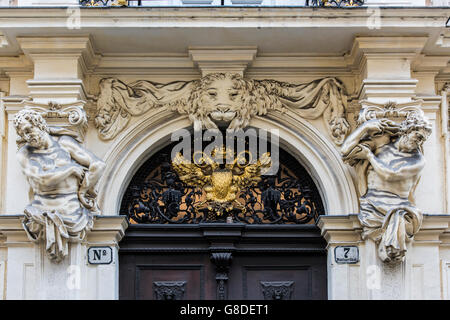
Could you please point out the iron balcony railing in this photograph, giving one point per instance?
(151, 3)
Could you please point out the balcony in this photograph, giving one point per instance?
(225, 3)
(216, 3)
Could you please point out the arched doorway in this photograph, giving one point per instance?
(148, 135)
(272, 251)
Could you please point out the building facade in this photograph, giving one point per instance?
(351, 97)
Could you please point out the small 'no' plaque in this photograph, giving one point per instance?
(100, 255)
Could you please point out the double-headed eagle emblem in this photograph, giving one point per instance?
(221, 176)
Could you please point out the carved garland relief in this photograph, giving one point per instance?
(221, 99)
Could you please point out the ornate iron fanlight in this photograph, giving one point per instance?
(157, 195)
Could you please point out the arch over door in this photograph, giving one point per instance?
(276, 252)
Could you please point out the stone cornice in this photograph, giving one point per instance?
(380, 48)
(77, 47)
(434, 229)
(340, 229)
(262, 66)
(17, 64)
(425, 63)
(233, 16)
(107, 230)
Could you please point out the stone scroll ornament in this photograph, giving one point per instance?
(63, 176)
(221, 100)
(386, 151)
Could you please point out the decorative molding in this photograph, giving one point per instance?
(235, 101)
(277, 290)
(444, 39)
(197, 2)
(222, 59)
(3, 41)
(169, 290)
(427, 63)
(445, 279)
(107, 230)
(140, 268)
(61, 90)
(53, 47)
(222, 261)
(340, 229)
(67, 115)
(16, 64)
(390, 110)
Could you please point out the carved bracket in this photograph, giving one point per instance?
(390, 110)
(222, 260)
(71, 116)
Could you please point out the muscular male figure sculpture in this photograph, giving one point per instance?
(62, 175)
(390, 159)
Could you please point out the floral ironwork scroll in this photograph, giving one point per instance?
(156, 195)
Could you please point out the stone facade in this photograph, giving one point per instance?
(310, 73)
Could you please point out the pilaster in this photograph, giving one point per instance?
(60, 65)
(343, 279)
(445, 136)
(35, 277)
(385, 67)
(16, 193)
(432, 200)
(418, 277)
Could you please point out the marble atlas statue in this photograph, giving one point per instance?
(62, 175)
(388, 159)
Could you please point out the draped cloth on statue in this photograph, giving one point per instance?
(58, 227)
(390, 221)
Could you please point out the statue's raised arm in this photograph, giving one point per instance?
(388, 160)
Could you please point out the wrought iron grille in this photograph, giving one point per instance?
(156, 195)
(335, 3)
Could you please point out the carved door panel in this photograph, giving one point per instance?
(278, 277)
(166, 277)
(257, 263)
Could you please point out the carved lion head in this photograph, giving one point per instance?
(220, 100)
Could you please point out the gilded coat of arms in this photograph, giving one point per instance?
(221, 175)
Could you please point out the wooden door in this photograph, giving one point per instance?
(219, 261)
